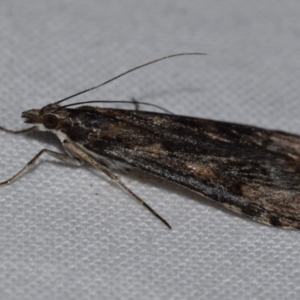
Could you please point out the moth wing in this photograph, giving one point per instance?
(251, 171)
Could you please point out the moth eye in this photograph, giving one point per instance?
(50, 121)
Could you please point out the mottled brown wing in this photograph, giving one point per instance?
(251, 171)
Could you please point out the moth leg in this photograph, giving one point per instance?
(84, 156)
(60, 156)
(136, 104)
(27, 130)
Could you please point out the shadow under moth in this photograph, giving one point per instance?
(251, 171)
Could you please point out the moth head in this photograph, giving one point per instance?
(49, 116)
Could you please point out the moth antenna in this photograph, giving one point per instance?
(116, 101)
(122, 74)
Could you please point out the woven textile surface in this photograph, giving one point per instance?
(70, 233)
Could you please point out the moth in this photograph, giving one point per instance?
(251, 171)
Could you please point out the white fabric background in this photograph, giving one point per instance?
(68, 233)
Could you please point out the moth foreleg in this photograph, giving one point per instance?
(60, 156)
(73, 148)
(27, 130)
